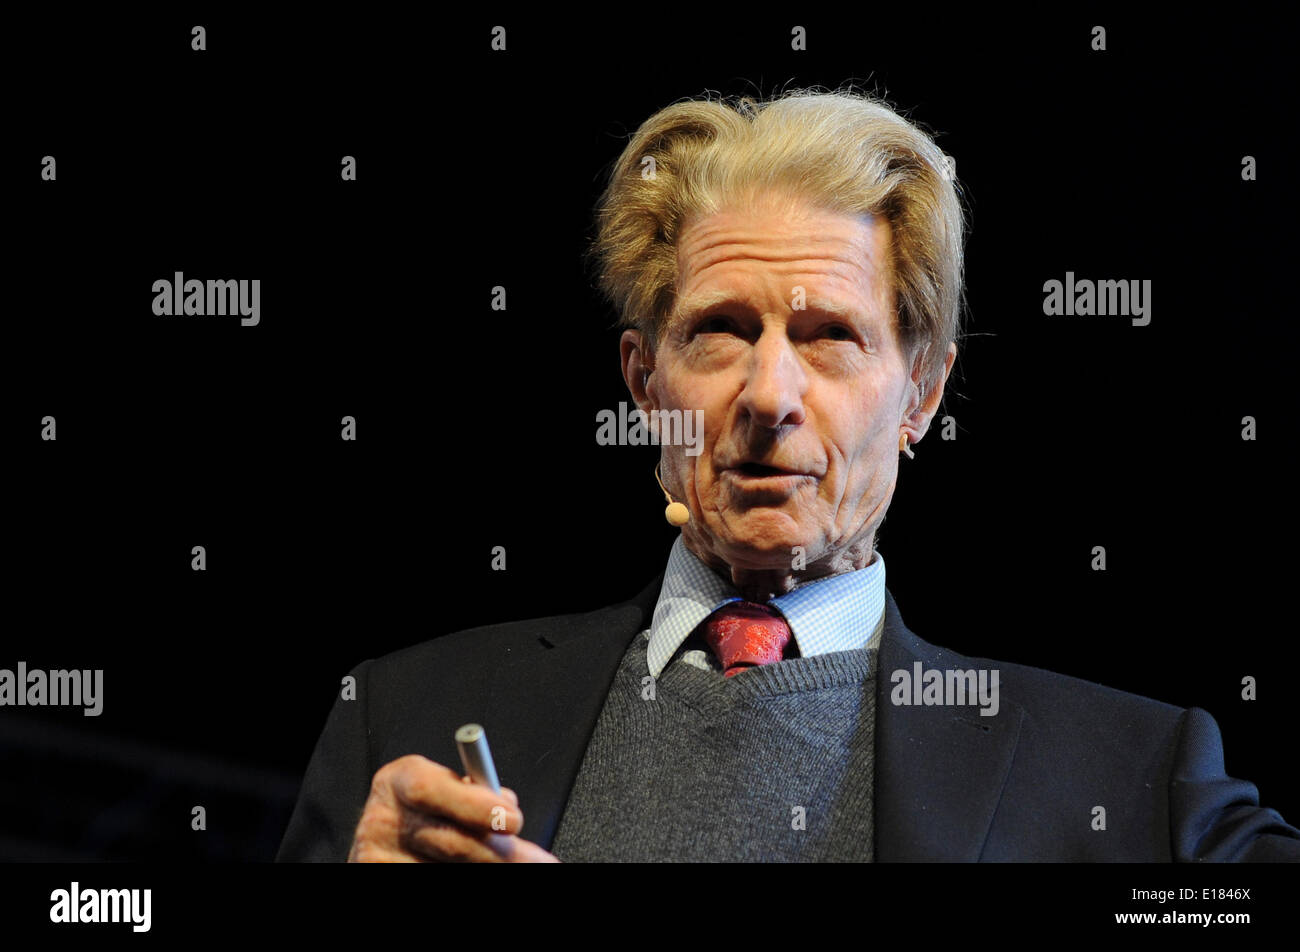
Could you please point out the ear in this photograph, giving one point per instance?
(921, 406)
(638, 365)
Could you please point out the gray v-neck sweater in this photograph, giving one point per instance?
(773, 764)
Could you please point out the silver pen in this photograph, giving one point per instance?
(477, 757)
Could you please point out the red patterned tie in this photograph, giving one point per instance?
(744, 634)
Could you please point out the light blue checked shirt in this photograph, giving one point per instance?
(838, 613)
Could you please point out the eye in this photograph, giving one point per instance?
(716, 324)
(838, 332)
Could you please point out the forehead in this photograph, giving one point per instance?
(759, 248)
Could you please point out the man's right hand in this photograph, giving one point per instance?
(422, 812)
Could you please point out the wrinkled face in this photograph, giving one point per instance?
(804, 392)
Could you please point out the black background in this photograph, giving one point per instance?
(476, 427)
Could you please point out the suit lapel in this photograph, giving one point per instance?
(939, 769)
(543, 706)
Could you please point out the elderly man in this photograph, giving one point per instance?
(793, 271)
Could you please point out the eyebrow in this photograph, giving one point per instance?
(697, 302)
(832, 308)
(703, 300)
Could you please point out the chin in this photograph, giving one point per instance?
(763, 544)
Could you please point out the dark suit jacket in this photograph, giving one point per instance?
(950, 785)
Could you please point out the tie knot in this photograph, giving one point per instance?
(745, 634)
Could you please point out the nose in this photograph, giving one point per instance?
(774, 390)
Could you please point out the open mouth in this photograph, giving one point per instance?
(758, 470)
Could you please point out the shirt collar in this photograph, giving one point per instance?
(838, 613)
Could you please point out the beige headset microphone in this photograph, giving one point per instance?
(676, 513)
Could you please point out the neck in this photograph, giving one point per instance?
(763, 584)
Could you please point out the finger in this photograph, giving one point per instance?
(434, 789)
(377, 838)
(445, 842)
(505, 791)
(515, 849)
(375, 853)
